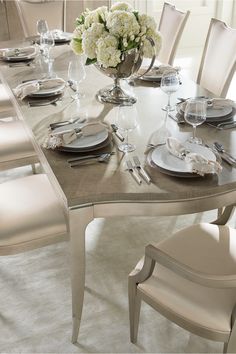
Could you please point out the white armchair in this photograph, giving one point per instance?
(190, 278)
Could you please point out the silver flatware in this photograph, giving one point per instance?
(86, 161)
(90, 156)
(224, 154)
(43, 103)
(177, 118)
(66, 122)
(141, 170)
(133, 172)
(116, 132)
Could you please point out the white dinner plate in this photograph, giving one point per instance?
(84, 142)
(173, 165)
(218, 112)
(57, 89)
(61, 37)
(19, 54)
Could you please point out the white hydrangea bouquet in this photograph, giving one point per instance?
(104, 35)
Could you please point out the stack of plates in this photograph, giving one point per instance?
(174, 166)
(19, 54)
(220, 110)
(61, 37)
(86, 143)
(155, 74)
(48, 88)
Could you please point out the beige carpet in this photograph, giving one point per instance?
(35, 306)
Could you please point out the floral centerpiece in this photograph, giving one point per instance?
(106, 36)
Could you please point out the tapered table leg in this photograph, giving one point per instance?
(78, 221)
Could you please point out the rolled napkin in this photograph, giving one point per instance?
(63, 137)
(197, 162)
(27, 88)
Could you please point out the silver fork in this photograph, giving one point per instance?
(87, 161)
(219, 147)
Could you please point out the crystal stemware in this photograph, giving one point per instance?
(195, 114)
(76, 74)
(126, 120)
(42, 28)
(169, 85)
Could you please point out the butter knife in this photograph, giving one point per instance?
(133, 173)
(141, 170)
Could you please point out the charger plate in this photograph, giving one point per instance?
(85, 143)
(59, 87)
(173, 165)
(19, 54)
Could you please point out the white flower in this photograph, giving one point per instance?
(108, 53)
(90, 38)
(122, 23)
(95, 16)
(147, 23)
(147, 48)
(123, 6)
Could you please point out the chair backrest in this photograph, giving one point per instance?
(30, 11)
(171, 27)
(218, 62)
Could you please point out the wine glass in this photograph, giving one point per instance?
(169, 84)
(76, 74)
(42, 28)
(126, 120)
(195, 114)
(48, 42)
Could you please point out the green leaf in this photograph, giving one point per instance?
(90, 61)
(80, 20)
(78, 40)
(136, 14)
(131, 45)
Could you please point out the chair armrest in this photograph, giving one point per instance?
(209, 280)
(226, 215)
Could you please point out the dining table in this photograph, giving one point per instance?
(108, 189)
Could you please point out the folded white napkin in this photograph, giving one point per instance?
(197, 162)
(27, 88)
(64, 137)
(30, 52)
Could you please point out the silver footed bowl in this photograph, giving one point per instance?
(130, 64)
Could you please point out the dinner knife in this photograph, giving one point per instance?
(141, 170)
(133, 173)
(117, 133)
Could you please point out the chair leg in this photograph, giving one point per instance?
(33, 166)
(225, 348)
(134, 310)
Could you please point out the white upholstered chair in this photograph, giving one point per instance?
(30, 11)
(218, 62)
(190, 278)
(16, 148)
(31, 215)
(171, 27)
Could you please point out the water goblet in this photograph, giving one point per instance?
(169, 84)
(126, 120)
(195, 114)
(42, 28)
(76, 74)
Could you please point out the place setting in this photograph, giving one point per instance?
(41, 92)
(22, 56)
(220, 113)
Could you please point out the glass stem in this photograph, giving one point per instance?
(127, 137)
(194, 132)
(168, 104)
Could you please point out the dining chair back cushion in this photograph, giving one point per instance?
(30, 215)
(218, 61)
(31, 11)
(15, 143)
(171, 27)
(203, 310)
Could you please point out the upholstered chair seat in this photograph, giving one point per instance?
(16, 148)
(190, 278)
(30, 215)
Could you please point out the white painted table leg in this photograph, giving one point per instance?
(78, 220)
